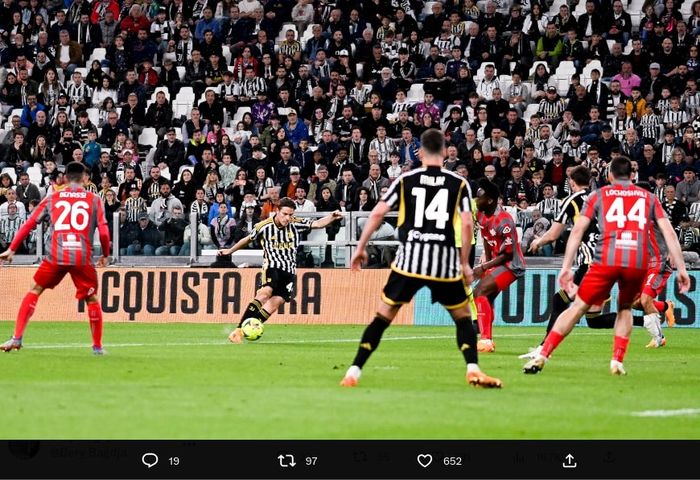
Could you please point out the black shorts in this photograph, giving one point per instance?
(281, 282)
(580, 273)
(400, 289)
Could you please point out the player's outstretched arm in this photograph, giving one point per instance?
(675, 252)
(551, 235)
(327, 220)
(373, 221)
(565, 275)
(242, 243)
(6, 256)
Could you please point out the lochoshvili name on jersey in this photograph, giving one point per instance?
(431, 181)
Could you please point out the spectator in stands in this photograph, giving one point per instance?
(69, 54)
(11, 200)
(147, 238)
(687, 191)
(550, 46)
(10, 223)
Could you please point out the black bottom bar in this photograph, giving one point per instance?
(349, 459)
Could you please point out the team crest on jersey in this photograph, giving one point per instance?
(506, 229)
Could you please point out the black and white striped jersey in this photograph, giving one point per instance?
(570, 210)
(280, 244)
(430, 201)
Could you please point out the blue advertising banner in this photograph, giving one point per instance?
(527, 301)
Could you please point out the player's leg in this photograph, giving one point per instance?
(491, 284)
(253, 310)
(47, 276)
(398, 291)
(623, 329)
(560, 302)
(630, 282)
(26, 310)
(452, 296)
(85, 281)
(594, 289)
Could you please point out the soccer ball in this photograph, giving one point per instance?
(252, 329)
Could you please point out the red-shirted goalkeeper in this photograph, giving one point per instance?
(74, 215)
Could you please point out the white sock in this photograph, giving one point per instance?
(473, 368)
(652, 322)
(354, 372)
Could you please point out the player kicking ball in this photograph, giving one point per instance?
(430, 199)
(502, 262)
(74, 214)
(624, 251)
(279, 236)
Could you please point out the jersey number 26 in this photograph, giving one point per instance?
(73, 216)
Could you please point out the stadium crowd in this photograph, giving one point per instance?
(221, 108)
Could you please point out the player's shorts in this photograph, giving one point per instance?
(84, 277)
(281, 282)
(400, 289)
(655, 281)
(599, 281)
(503, 276)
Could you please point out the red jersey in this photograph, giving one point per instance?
(500, 236)
(623, 213)
(74, 215)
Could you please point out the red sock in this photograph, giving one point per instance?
(552, 341)
(26, 310)
(620, 348)
(484, 317)
(95, 315)
(660, 306)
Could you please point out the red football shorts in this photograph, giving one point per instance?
(655, 282)
(502, 276)
(48, 275)
(599, 281)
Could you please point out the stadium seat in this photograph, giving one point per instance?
(182, 169)
(181, 73)
(35, 176)
(165, 173)
(480, 72)
(98, 54)
(226, 50)
(94, 115)
(416, 92)
(148, 137)
(534, 67)
(165, 90)
(11, 172)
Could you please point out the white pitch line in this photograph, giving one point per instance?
(667, 413)
(288, 342)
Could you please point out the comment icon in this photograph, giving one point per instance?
(149, 459)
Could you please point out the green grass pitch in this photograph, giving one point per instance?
(185, 381)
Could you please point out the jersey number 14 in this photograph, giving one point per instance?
(435, 211)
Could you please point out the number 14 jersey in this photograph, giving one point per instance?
(429, 201)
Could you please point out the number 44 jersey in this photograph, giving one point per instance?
(625, 215)
(430, 201)
(74, 215)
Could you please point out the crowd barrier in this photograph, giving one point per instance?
(323, 296)
(205, 295)
(527, 301)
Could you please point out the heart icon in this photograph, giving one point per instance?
(424, 459)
